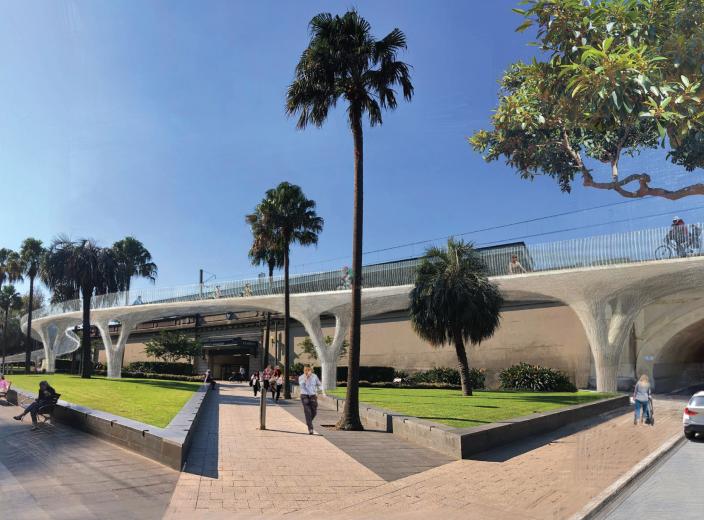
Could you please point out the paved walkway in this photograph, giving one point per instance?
(237, 471)
(60, 473)
(673, 489)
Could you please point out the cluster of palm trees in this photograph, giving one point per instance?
(72, 269)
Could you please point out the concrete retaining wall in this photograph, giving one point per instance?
(460, 443)
(169, 445)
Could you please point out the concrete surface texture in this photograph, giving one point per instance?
(60, 473)
(671, 490)
(242, 472)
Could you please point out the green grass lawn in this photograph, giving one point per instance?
(150, 401)
(451, 408)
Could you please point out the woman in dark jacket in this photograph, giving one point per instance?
(46, 396)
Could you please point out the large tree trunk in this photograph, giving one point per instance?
(28, 347)
(86, 364)
(350, 416)
(4, 339)
(462, 364)
(267, 332)
(287, 346)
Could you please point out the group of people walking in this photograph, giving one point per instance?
(270, 380)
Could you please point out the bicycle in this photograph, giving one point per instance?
(689, 246)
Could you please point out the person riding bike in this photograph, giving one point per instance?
(679, 235)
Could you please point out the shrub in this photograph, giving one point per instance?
(149, 375)
(524, 376)
(161, 367)
(448, 376)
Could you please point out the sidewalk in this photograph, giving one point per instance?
(235, 468)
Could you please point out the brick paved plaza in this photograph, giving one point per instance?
(236, 471)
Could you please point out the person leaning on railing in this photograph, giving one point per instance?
(515, 267)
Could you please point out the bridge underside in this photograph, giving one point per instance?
(607, 301)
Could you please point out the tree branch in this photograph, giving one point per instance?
(643, 179)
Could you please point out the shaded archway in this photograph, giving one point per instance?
(680, 363)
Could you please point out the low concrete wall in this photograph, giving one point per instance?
(168, 446)
(460, 443)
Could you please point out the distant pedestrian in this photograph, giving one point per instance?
(514, 266)
(277, 383)
(209, 379)
(254, 382)
(641, 400)
(243, 372)
(309, 385)
(266, 376)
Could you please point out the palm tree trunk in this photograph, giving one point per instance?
(267, 332)
(350, 419)
(462, 364)
(4, 338)
(85, 339)
(28, 347)
(287, 346)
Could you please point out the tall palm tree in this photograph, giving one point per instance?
(133, 260)
(266, 250)
(31, 256)
(288, 215)
(453, 301)
(83, 266)
(344, 61)
(10, 266)
(10, 300)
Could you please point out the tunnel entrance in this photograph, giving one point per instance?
(680, 363)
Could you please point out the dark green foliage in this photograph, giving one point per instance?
(615, 77)
(161, 367)
(172, 346)
(454, 301)
(524, 376)
(151, 375)
(447, 376)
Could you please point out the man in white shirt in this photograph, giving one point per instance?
(309, 385)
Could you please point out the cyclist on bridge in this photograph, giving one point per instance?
(679, 235)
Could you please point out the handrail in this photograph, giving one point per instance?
(618, 248)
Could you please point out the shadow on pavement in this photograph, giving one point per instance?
(202, 456)
(517, 448)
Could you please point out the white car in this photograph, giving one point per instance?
(693, 418)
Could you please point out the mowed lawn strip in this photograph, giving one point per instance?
(452, 408)
(151, 401)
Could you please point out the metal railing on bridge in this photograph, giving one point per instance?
(619, 248)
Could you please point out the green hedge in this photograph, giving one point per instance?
(148, 375)
(161, 367)
(447, 376)
(524, 376)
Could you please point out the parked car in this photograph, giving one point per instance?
(693, 417)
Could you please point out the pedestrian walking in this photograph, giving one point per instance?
(242, 373)
(254, 382)
(266, 376)
(309, 385)
(277, 383)
(641, 400)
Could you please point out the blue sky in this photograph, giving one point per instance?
(165, 120)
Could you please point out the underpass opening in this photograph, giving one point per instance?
(680, 364)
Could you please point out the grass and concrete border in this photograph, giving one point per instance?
(461, 443)
(168, 445)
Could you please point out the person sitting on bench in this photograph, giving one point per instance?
(46, 397)
(4, 386)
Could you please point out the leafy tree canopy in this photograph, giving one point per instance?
(172, 346)
(309, 348)
(618, 77)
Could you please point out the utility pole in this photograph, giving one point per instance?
(200, 283)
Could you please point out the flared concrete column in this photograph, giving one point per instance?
(49, 338)
(328, 355)
(607, 325)
(114, 352)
